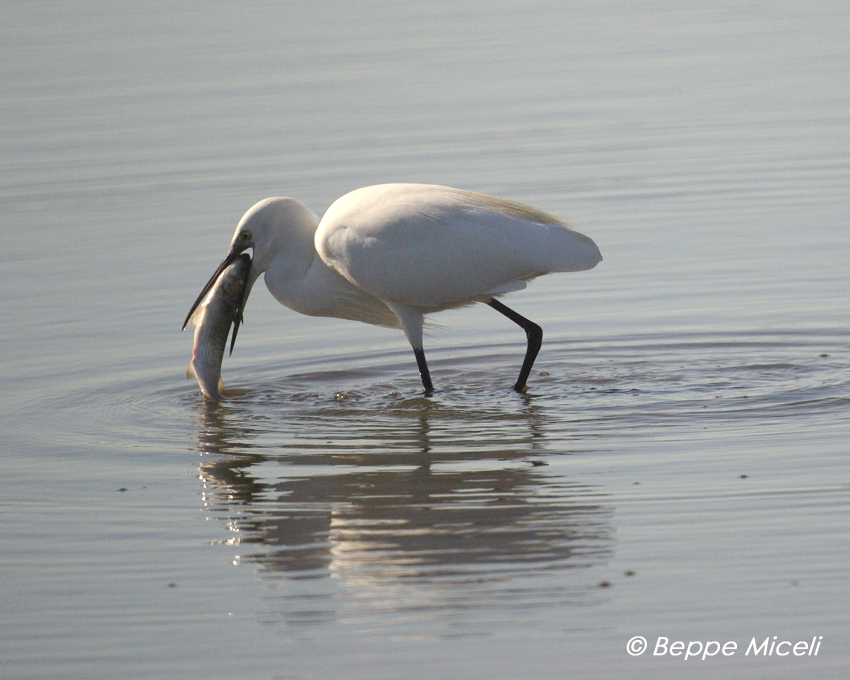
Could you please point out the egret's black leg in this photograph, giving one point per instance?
(534, 335)
(423, 370)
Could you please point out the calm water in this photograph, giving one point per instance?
(678, 469)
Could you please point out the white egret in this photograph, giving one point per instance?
(390, 254)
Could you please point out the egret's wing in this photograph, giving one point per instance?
(434, 247)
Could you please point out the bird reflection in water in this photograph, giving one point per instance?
(456, 505)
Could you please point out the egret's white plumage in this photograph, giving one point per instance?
(389, 254)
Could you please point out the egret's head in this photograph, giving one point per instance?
(267, 229)
(270, 227)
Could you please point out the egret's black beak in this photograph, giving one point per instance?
(225, 263)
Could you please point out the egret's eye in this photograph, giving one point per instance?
(245, 236)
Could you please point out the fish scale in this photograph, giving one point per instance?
(212, 320)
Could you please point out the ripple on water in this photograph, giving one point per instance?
(351, 479)
(626, 382)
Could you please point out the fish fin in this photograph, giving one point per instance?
(196, 317)
(190, 372)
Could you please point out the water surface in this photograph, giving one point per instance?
(676, 470)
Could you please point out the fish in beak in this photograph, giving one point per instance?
(225, 263)
(213, 319)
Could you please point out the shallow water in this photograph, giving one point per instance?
(677, 469)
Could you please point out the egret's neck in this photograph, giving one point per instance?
(289, 253)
